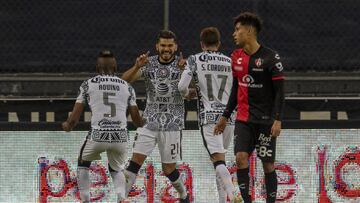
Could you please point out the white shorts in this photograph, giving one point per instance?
(169, 143)
(116, 152)
(216, 143)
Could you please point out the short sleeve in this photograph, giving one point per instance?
(83, 92)
(277, 69)
(132, 97)
(143, 71)
(234, 65)
(190, 67)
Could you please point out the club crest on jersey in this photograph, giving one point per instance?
(259, 62)
(162, 73)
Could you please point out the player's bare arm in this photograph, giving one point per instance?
(135, 116)
(220, 125)
(73, 118)
(276, 128)
(232, 103)
(133, 73)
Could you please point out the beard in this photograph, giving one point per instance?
(166, 55)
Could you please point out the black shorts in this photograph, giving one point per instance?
(250, 136)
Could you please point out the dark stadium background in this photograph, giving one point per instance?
(49, 47)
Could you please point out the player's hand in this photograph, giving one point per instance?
(276, 128)
(192, 94)
(220, 126)
(142, 60)
(66, 126)
(181, 62)
(144, 121)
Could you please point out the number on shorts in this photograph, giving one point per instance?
(263, 152)
(174, 150)
(210, 89)
(107, 103)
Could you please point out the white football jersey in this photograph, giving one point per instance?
(108, 98)
(212, 74)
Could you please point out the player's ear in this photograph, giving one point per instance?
(157, 46)
(202, 45)
(176, 47)
(251, 30)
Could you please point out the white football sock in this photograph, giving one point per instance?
(180, 187)
(130, 179)
(220, 188)
(225, 176)
(119, 184)
(83, 181)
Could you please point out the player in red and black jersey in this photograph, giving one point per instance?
(257, 91)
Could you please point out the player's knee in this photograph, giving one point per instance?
(138, 158)
(111, 169)
(242, 159)
(217, 157)
(268, 167)
(83, 163)
(168, 168)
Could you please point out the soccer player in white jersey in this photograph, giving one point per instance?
(211, 72)
(164, 112)
(108, 97)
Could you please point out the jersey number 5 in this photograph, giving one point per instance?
(107, 103)
(210, 89)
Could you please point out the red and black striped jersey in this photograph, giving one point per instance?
(258, 86)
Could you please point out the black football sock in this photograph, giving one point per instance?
(244, 182)
(271, 186)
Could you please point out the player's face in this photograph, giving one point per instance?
(241, 34)
(166, 49)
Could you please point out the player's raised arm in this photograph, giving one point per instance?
(133, 109)
(134, 73)
(73, 118)
(185, 79)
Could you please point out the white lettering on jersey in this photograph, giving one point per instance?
(108, 98)
(213, 77)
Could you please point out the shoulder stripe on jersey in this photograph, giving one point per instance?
(278, 78)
